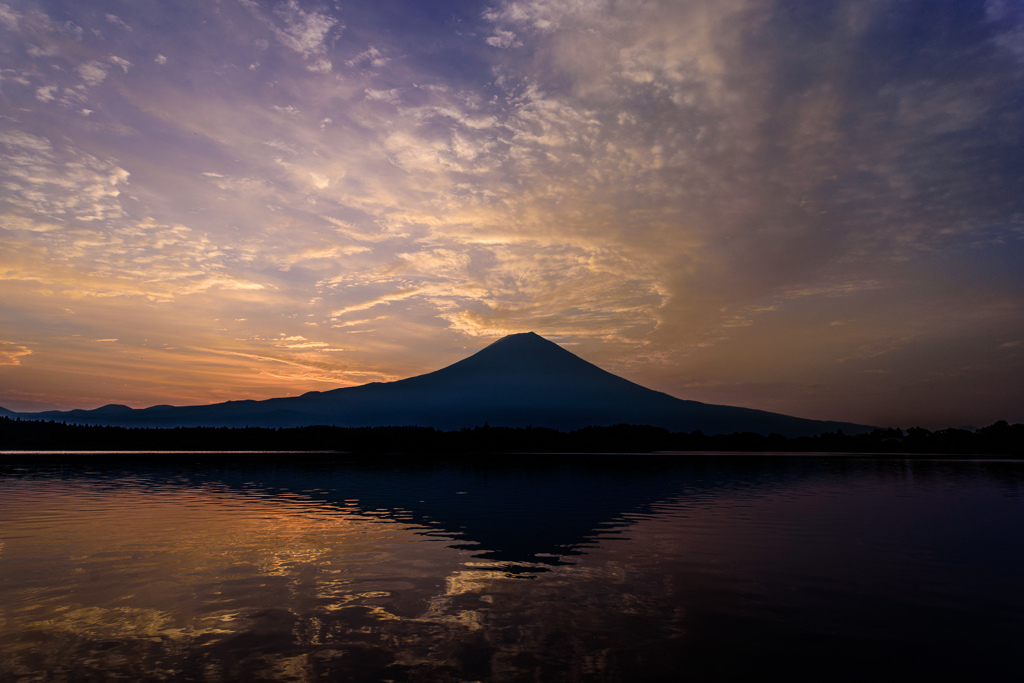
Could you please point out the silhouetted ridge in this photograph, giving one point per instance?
(518, 381)
(521, 361)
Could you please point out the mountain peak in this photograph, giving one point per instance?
(521, 337)
(525, 362)
(522, 350)
(113, 408)
(522, 340)
(519, 380)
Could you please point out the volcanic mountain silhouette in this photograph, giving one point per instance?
(518, 381)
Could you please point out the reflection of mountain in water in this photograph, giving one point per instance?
(730, 567)
(534, 514)
(510, 517)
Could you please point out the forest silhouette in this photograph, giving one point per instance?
(1000, 438)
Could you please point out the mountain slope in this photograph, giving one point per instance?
(517, 381)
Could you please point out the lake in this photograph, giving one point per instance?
(565, 568)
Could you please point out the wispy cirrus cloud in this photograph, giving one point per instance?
(305, 32)
(11, 353)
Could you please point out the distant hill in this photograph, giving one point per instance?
(518, 381)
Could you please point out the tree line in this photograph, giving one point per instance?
(1000, 438)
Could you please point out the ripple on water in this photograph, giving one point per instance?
(719, 568)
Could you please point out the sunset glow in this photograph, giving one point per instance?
(814, 209)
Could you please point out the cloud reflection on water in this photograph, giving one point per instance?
(723, 568)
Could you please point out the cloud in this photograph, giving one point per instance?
(436, 263)
(123, 63)
(320, 65)
(504, 40)
(332, 252)
(9, 17)
(304, 32)
(1008, 20)
(11, 353)
(299, 342)
(117, 21)
(38, 181)
(370, 57)
(80, 239)
(305, 367)
(707, 186)
(92, 73)
(385, 299)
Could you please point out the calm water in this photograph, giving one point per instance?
(703, 568)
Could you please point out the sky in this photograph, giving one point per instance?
(814, 208)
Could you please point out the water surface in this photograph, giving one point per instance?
(566, 569)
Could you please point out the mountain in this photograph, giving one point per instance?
(517, 381)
